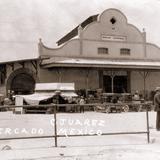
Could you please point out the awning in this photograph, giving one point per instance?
(54, 86)
(34, 99)
(98, 63)
(68, 94)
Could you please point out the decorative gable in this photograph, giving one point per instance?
(112, 25)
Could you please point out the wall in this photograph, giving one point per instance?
(120, 27)
(78, 76)
(90, 49)
(94, 36)
(70, 48)
(102, 33)
(152, 81)
(153, 51)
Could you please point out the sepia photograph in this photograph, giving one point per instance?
(79, 80)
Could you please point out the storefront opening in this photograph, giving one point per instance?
(117, 85)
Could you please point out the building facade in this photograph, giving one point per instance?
(103, 52)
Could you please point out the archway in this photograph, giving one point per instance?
(22, 81)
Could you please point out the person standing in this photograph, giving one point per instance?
(82, 102)
(136, 96)
(157, 107)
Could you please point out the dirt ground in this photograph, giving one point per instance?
(119, 147)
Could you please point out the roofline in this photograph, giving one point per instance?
(20, 60)
(113, 66)
(74, 32)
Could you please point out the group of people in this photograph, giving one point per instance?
(81, 101)
(58, 99)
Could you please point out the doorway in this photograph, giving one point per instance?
(118, 83)
(21, 81)
(107, 84)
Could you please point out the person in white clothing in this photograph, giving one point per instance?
(82, 102)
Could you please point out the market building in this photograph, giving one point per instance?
(104, 52)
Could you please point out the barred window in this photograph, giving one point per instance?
(102, 50)
(125, 51)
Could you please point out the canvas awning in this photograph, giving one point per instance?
(34, 99)
(45, 91)
(54, 87)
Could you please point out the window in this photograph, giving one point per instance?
(125, 51)
(113, 20)
(102, 50)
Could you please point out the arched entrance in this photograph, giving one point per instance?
(22, 81)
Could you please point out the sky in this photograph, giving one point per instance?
(25, 21)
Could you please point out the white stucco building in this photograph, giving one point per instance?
(103, 52)
(106, 52)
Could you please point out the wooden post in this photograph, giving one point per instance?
(55, 125)
(112, 83)
(144, 75)
(59, 72)
(148, 132)
(112, 75)
(87, 82)
(101, 83)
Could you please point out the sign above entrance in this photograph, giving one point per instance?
(113, 38)
(115, 73)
